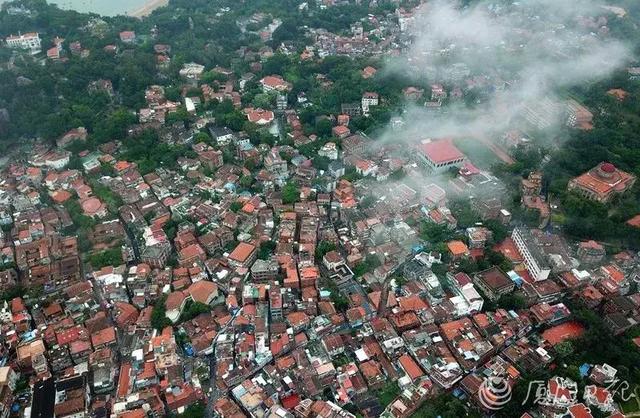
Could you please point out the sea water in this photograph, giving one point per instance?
(102, 7)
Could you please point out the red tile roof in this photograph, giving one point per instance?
(580, 411)
(457, 248)
(242, 252)
(594, 181)
(341, 130)
(71, 334)
(174, 300)
(274, 81)
(102, 337)
(124, 380)
(202, 291)
(126, 314)
(135, 413)
(412, 303)
(260, 116)
(508, 249)
(290, 402)
(635, 221)
(410, 367)
(440, 151)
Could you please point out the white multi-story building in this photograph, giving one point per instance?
(191, 71)
(29, 41)
(369, 99)
(578, 116)
(329, 150)
(534, 259)
(467, 300)
(5, 313)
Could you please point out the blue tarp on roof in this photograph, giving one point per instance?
(584, 370)
(459, 393)
(516, 278)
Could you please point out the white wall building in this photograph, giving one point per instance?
(534, 259)
(369, 99)
(29, 41)
(467, 300)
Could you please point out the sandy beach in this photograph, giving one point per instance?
(149, 7)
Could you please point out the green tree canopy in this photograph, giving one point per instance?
(290, 193)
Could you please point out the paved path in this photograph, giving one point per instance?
(499, 152)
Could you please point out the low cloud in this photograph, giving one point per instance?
(517, 54)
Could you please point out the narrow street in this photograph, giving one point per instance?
(216, 393)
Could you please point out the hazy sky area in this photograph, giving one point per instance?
(534, 48)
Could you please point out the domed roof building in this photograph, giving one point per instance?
(602, 182)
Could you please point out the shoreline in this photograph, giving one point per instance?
(86, 7)
(147, 8)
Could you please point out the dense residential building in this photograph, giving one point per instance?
(264, 270)
(494, 283)
(8, 381)
(227, 242)
(591, 252)
(467, 299)
(243, 255)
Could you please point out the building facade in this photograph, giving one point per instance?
(439, 156)
(29, 41)
(534, 260)
(602, 183)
